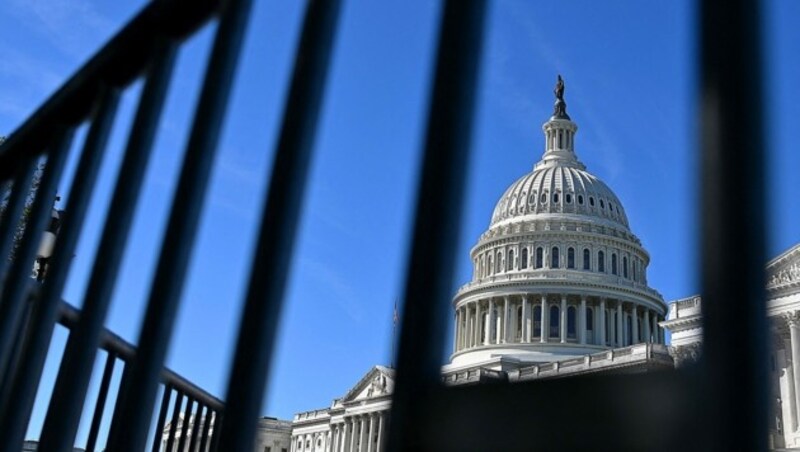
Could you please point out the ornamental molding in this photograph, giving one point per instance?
(791, 318)
(578, 238)
(686, 354)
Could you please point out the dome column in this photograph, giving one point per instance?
(646, 322)
(582, 321)
(620, 325)
(506, 321)
(526, 326)
(635, 327)
(563, 321)
(492, 325)
(602, 320)
(544, 329)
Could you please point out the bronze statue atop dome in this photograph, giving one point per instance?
(560, 110)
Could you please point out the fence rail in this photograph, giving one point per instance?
(718, 405)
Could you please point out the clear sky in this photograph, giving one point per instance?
(631, 81)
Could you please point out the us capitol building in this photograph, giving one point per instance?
(559, 288)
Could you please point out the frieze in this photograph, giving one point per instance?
(785, 276)
(686, 354)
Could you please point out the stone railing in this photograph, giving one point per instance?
(684, 307)
(311, 415)
(609, 358)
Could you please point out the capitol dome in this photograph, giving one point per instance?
(559, 273)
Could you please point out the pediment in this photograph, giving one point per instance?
(379, 381)
(784, 270)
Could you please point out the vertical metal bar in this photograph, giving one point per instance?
(45, 312)
(187, 414)
(196, 426)
(733, 233)
(248, 377)
(219, 421)
(165, 291)
(13, 213)
(124, 382)
(72, 382)
(206, 429)
(173, 425)
(429, 277)
(14, 295)
(162, 417)
(100, 405)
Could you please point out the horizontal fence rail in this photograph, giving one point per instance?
(719, 404)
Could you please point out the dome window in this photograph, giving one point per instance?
(532, 198)
(554, 258)
(580, 199)
(611, 206)
(539, 257)
(537, 321)
(570, 257)
(510, 261)
(602, 204)
(568, 198)
(625, 267)
(601, 262)
(554, 321)
(571, 327)
(591, 201)
(544, 198)
(523, 259)
(555, 198)
(587, 259)
(613, 264)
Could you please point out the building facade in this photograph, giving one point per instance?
(783, 311)
(559, 288)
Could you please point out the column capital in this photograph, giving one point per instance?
(791, 318)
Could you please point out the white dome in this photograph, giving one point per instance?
(559, 189)
(559, 273)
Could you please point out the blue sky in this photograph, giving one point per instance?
(630, 86)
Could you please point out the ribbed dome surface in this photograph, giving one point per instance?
(559, 188)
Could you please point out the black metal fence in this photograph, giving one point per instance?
(718, 405)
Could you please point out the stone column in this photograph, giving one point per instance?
(379, 447)
(646, 322)
(292, 445)
(654, 330)
(793, 319)
(478, 322)
(352, 444)
(525, 336)
(620, 325)
(582, 321)
(545, 323)
(635, 325)
(457, 330)
(362, 435)
(506, 321)
(371, 432)
(563, 321)
(492, 324)
(601, 332)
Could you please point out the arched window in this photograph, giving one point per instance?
(523, 259)
(555, 198)
(554, 321)
(625, 266)
(570, 257)
(568, 198)
(602, 204)
(601, 261)
(554, 258)
(560, 139)
(510, 260)
(580, 199)
(587, 259)
(635, 267)
(489, 267)
(544, 198)
(537, 321)
(571, 328)
(539, 257)
(613, 263)
(498, 263)
(589, 325)
(591, 201)
(628, 331)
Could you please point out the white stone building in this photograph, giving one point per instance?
(559, 288)
(783, 311)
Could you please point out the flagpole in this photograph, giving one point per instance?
(394, 332)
